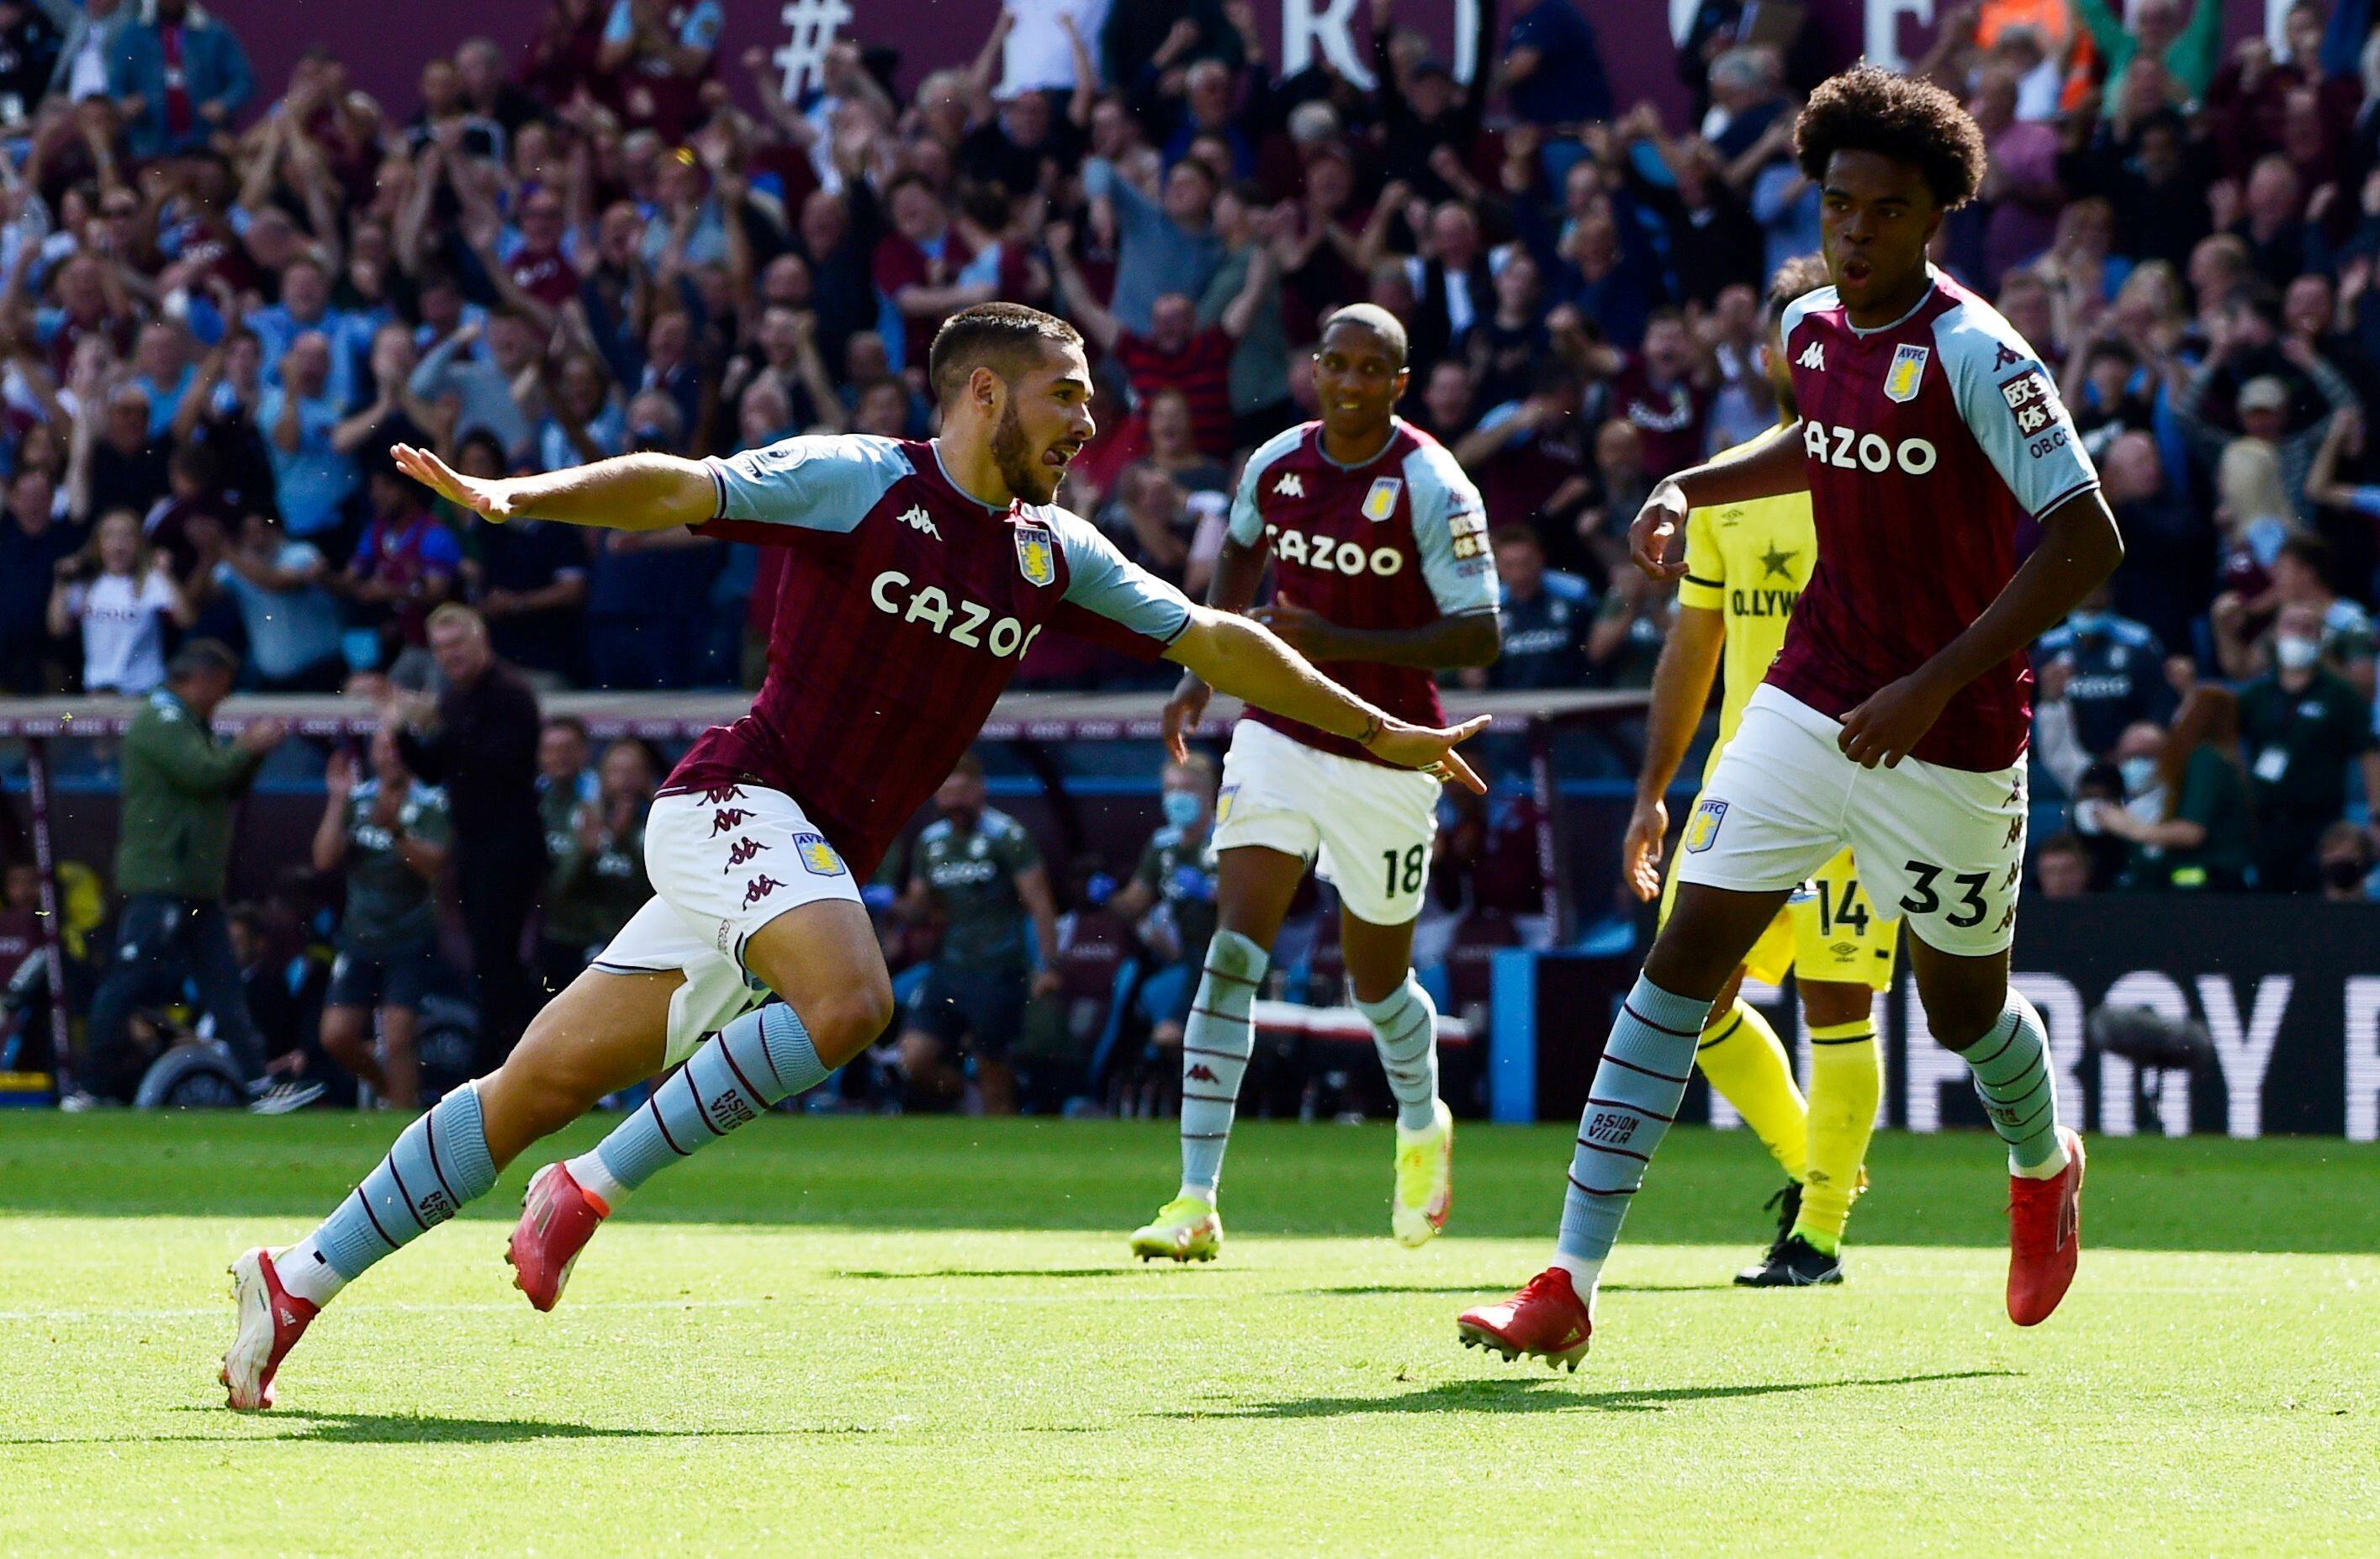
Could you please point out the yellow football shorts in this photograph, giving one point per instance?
(1828, 930)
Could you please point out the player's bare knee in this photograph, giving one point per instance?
(1831, 1003)
(846, 1021)
(1723, 1003)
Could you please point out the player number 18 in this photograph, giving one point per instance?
(1411, 866)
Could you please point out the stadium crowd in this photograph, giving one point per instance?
(218, 311)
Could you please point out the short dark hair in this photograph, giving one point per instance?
(568, 722)
(1868, 108)
(1515, 536)
(200, 656)
(1373, 317)
(1798, 277)
(1004, 337)
(2311, 551)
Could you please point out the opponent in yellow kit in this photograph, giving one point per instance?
(1745, 566)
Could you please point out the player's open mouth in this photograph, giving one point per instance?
(1060, 456)
(1855, 271)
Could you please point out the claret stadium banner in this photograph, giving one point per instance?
(1635, 37)
(2287, 991)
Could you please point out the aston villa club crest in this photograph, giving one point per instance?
(1036, 555)
(1703, 827)
(818, 857)
(1381, 502)
(1908, 371)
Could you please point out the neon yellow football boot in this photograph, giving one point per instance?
(1185, 1229)
(1424, 1192)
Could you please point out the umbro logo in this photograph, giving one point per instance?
(1290, 486)
(1814, 357)
(917, 519)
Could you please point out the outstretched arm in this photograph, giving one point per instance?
(1762, 469)
(626, 492)
(1244, 658)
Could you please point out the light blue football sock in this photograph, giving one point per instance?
(763, 1058)
(1404, 1030)
(438, 1163)
(1216, 1045)
(1634, 1097)
(2010, 1065)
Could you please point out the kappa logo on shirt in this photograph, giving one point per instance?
(1814, 357)
(1290, 486)
(917, 519)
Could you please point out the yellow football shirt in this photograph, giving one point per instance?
(1748, 563)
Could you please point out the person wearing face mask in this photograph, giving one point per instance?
(2302, 725)
(981, 871)
(2345, 861)
(1176, 875)
(2114, 671)
(2187, 814)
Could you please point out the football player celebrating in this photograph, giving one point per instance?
(1747, 564)
(1379, 548)
(918, 575)
(1895, 718)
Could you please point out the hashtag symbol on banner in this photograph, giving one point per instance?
(810, 28)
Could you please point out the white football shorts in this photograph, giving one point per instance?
(723, 864)
(1944, 847)
(1367, 827)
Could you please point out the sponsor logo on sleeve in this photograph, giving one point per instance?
(2032, 404)
(1908, 372)
(1469, 528)
(1036, 555)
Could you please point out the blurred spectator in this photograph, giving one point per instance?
(1663, 390)
(180, 77)
(390, 834)
(478, 741)
(1176, 353)
(291, 623)
(2113, 671)
(1546, 614)
(2197, 837)
(595, 858)
(2061, 868)
(526, 578)
(2345, 857)
(2185, 37)
(117, 593)
(978, 871)
(34, 543)
(1171, 897)
(1552, 71)
(1163, 244)
(312, 471)
(404, 565)
(173, 853)
(1624, 640)
(2303, 727)
(2245, 628)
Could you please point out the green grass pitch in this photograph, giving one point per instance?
(903, 1337)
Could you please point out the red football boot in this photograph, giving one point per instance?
(271, 1321)
(2045, 1236)
(1544, 1320)
(558, 1217)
